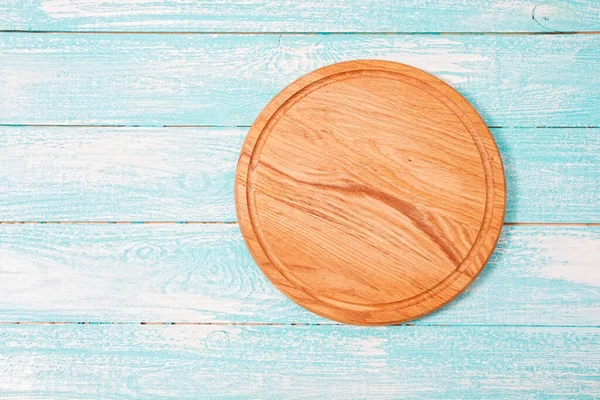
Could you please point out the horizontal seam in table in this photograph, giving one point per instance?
(443, 33)
(25, 125)
(278, 324)
(236, 223)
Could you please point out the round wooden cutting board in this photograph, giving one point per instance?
(370, 192)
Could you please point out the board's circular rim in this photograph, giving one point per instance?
(452, 289)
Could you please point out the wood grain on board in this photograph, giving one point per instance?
(538, 275)
(186, 174)
(225, 80)
(132, 361)
(292, 16)
(370, 192)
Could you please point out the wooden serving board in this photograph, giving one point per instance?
(370, 192)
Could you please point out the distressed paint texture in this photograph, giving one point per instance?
(225, 80)
(294, 16)
(203, 273)
(132, 361)
(186, 174)
(118, 174)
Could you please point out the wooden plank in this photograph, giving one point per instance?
(118, 174)
(186, 174)
(132, 361)
(293, 16)
(225, 80)
(551, 166)
(204, 273)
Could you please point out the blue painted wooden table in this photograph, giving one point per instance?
(122, 270)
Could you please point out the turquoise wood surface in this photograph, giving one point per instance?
(89, 131)
(186, 174)
(225, 80)
(203, 273)
(331, 362)
(297, 16)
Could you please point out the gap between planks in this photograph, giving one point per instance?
(200, 126)
(574, 224)
(52, 32)
(410, 324)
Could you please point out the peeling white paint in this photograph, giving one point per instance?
(573, 259)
